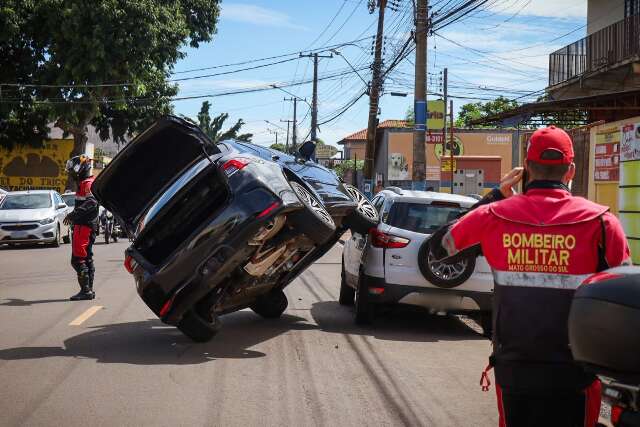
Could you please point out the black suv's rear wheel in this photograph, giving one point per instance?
(271, 305)
(364, 216)
(441, 274)
(313, 220)
(199, 328)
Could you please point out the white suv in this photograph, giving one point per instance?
(391, 265)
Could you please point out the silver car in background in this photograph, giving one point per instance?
(33, 217)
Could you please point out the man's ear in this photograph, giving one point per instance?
(570, 173)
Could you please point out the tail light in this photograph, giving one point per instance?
(167, 306)
(616, 414)
(234, 165)
(130, 264)
(387, 241)
(268, 210)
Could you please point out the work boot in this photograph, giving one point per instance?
(85, 293)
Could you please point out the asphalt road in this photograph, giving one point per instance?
(70, 363)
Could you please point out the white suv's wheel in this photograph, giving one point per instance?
(441, 274)
(364, 216)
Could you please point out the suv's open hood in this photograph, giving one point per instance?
(148, 164)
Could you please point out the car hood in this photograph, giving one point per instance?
(25, 215)
(148, 165)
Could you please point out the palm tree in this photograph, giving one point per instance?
(213, 126)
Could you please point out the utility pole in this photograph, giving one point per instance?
(451, 144)
(444, 128)
(374, 95)
(314, 100)
(294, 135)
(420, 97)
(286, 142)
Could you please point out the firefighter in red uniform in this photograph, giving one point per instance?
(541, 245)
(84, 218)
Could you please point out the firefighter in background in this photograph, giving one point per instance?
(541, 245)
(84, 218)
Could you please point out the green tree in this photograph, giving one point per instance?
(279, 147)
(478, 110)
(99, 62)
(213, 126)
(342, 167)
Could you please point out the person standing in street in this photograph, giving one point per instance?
(540, 245)
(84, 218)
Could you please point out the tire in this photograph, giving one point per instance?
(58, 238)
(365, 310)
(314, 220)
(365, 216)
(444, 275)
(270, 305)
(106, 235)
(67, 238)
(197, 328)
(347, 293)
(486, 323)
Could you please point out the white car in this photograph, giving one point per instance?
(390, 265)
(32, 217)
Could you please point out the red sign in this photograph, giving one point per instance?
(434, 137)
(607, 162)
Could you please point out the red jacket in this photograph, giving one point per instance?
(540, 245)
(85, 211)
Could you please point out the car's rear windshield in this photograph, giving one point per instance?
(421, 217)
(26, 201)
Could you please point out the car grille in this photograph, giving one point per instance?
(20, 227)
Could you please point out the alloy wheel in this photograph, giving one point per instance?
(312, 203)
(365, 208)
(446, 271)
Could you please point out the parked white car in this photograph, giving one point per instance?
(390, 265)
(32, 217)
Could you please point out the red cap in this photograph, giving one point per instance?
(546, 140)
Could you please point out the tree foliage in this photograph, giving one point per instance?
(99, 62)
(213, 126)
(478, 110)
(279, 147)
(342, 167)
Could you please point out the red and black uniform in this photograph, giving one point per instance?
(85, 220)
(540, 245)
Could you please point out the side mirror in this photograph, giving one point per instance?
(61, 206)
(306, 150)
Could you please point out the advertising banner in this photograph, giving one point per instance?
(435, 115)
(399, 163)
(630, 144)
(28, 168)
(607, 155)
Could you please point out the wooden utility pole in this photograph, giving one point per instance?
(374, 96)
(314, 100)
(420, 97)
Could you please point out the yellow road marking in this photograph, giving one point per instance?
(84, 316)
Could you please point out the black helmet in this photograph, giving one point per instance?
(79, 167)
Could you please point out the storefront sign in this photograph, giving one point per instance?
(497, 138)
(446, 165)
(630, 144)
(607, 155)
(435, 115)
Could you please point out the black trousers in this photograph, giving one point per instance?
(550, 409)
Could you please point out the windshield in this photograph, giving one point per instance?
(26, 201)
(421, 217)
(69, 199)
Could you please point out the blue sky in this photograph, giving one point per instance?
(502, 49)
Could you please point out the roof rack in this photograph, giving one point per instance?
(396, 190)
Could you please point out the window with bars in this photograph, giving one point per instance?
(631, 8)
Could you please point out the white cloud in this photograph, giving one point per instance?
(567, 9)
(252, 14)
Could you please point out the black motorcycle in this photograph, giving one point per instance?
(603, 332)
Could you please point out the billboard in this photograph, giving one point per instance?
(435, 115)
(29, 168)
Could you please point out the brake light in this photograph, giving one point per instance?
(167, 305)
(234, 165)
(616, 413)
(267, 211)
(445, 204)
(385, 240)
(130, 264)
(600, 277)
